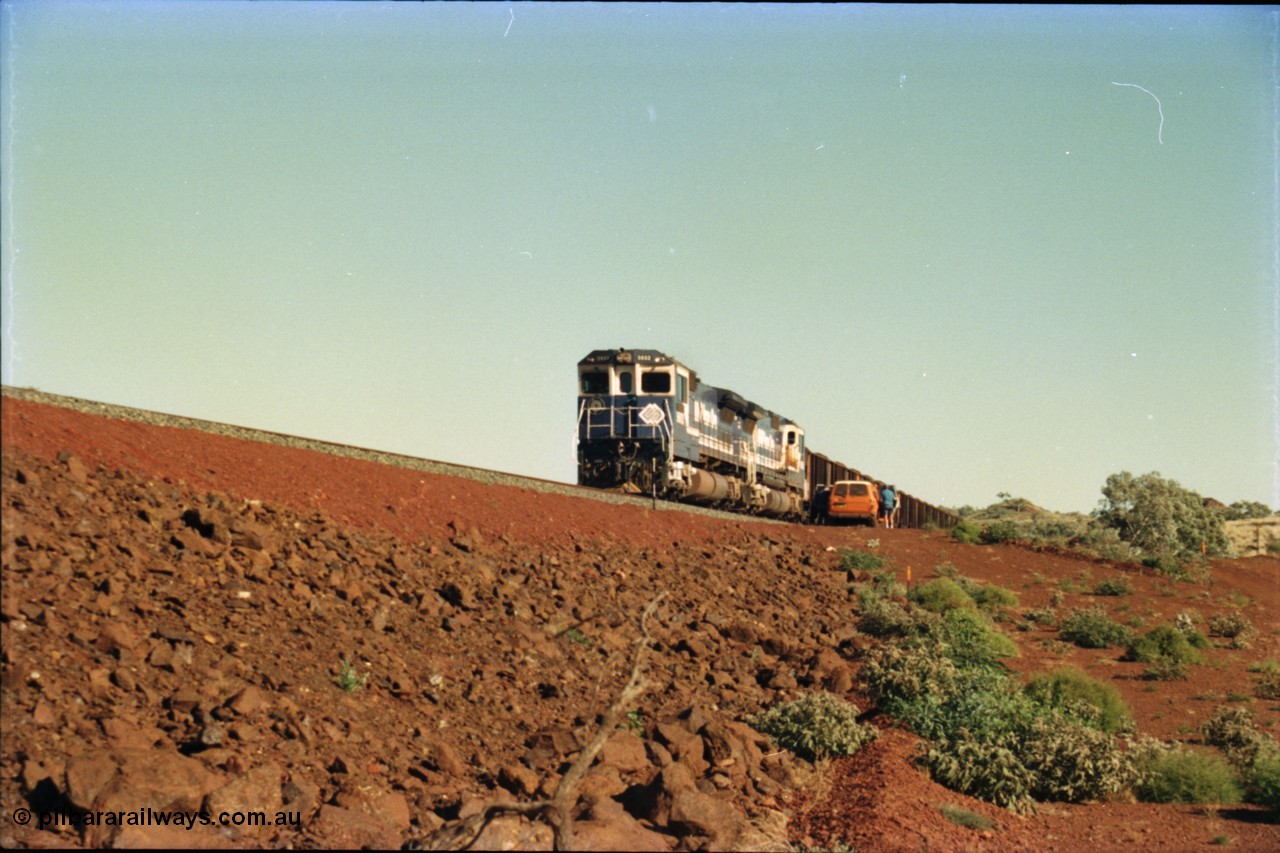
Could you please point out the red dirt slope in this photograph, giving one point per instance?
(177, 608)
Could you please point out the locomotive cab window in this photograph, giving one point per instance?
(624, 382)
(595, 382)
(655, 382)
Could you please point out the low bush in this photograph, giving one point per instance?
(1264, 784)
(967, 532)
(1072, 762)
(1235, 627)
(1165, 669)
(817, 725)
(988, 771)
(896, 675)
(988, 596)
(972, 640)
(1105, 542)
(937, 701)
(1230, 625)
(862, 561)
(1168, 565)
(1113, 586)
(1164, 642)
(886, 585)
(1233, 731)
(1067, 687)
(987, 706)
(1268, 685)
(999, 531)
(941, 594)
(1093, 629)
(884, 618)
(1057, 529)
(1182, 776)
(1046, 616)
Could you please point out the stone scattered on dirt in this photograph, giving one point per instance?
(369, 654)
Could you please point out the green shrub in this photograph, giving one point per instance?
(1165, 669)
(883, 618)
(941, 594)
(1093, 629)
(988, 596)
(885, 584)
(1235, 627)
(1233, 731)
(988, 771)
(1268, 685)
(1066, 686)
(1182, 776)
(967, 532)
(1113, 586)
(1057, 529)
(980, 705)
(348, 679)
(1230, 625)
(999, 531)
(1162, 642)
(895, 675)
(1072, 762)
(1042, 616)
(816, 725)
(1105, 542)
(972, 641)
(987, 706)
(1168, 565)
(862, 561)
(1264, 784)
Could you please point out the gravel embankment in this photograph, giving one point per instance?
(496, 478)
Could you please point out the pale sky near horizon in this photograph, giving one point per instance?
(969, 249)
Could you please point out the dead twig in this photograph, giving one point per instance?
(558, 810)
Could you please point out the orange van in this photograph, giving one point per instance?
(854, 500)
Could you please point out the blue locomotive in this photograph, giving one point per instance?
(647, 424)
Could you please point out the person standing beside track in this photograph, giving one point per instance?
(819, 504)
(888, 504)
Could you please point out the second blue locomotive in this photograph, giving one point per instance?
(646, 423)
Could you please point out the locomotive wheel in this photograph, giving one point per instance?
(642, 478)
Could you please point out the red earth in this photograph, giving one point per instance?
(192, 600)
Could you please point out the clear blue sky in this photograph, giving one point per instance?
(941, 238)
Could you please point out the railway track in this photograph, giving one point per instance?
(400, 460)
